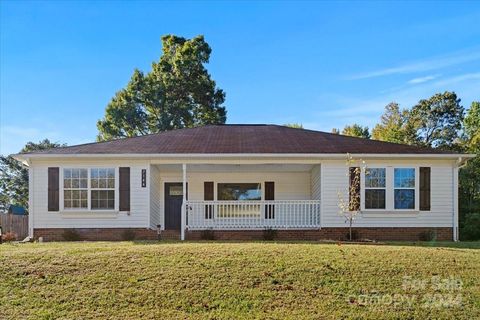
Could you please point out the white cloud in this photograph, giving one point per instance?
(422, 79)
(430, 64)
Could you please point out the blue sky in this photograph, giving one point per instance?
(322, 64)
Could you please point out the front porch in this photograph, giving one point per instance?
(236, 197)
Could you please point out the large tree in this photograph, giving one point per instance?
(356, 130)
(14, 176)
(470, 174)
(394, 126)
(437, 121)
(178, 92)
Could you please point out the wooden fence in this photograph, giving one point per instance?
(16, 224)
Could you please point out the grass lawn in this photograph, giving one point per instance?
(207, 280)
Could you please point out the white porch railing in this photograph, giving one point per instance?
(275, 214)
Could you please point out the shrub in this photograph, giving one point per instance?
(9, 236)
(471, 227)
(71, 235)
(430, 235)
(128, 235)
(269, 234)
(207, 235)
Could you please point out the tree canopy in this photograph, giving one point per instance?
(178, 92)
(356, 130)
(14, 176)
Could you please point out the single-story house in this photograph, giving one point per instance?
(236, 181)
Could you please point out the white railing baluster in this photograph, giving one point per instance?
(253, 214)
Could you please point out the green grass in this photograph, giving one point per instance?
(211, 280)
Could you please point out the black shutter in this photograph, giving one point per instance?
(53, 189)
(354, 189)
(269, 195)
(425, 188)
(208, 196)
(124, 188)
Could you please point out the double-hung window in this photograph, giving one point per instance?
(102, 184)
(94, 186)
(375, 188)
(404, 188)
(75, 188)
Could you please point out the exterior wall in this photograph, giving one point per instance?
(315, 182)
(155, 199)
(137, 217)
(335, 179)
(318, 181)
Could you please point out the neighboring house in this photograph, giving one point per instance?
(238, 180)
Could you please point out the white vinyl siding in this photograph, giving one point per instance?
(335, 180)
(315, 182)
(138, 217)
(155, 187)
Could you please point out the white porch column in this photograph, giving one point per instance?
(184, 202)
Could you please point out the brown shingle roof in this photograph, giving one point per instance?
(241, 139)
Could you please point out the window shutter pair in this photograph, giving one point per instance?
(354, 188)
(54, 189)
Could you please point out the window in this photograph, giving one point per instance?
(239, 192)
(375, 188)
(75, 188)
(404, 188)
(102, 188)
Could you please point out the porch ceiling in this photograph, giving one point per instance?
(237, 167)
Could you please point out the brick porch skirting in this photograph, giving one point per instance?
(381, 234)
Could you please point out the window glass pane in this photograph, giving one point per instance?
(239, 191)
(94, 183)
(102, 183)
(75, 184)
(374, 199)
(94, 173)
(83, 173)
(103, 199)
(83, 183)
(375, 178)
(102, 173)
(175, 191)
(111, 173)
(67, 173)
(111, 183)
(404, 178)
(404, 198)
(67, 183)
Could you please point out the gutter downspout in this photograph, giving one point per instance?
(184, 203)
(458, 164)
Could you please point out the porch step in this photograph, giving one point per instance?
(170, 235)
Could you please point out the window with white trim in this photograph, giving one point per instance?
(75, 188)
(102, 188)
(404, 188)
(375, 188)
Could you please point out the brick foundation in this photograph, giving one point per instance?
(96, 234)
(381, 234)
